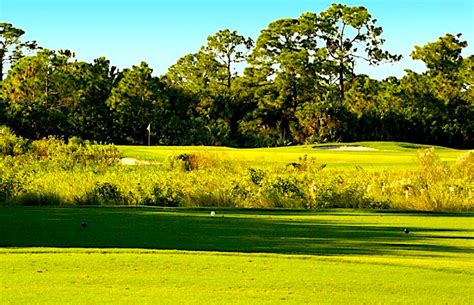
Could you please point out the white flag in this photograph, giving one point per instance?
(149, 128)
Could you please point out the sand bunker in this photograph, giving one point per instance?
(132, 161)
(345, 148)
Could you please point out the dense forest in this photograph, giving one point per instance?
(295, 84)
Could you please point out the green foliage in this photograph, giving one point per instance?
(50, 94)
(12, 178)
(443, 55)
(227, 48)
(203, 179)
(11, 46)
(192, 161)
(350, 33)
(135, 104)
(298, 86)
(285, 192)
(104, 194)
(39, 92)
(283, 65)
(178, 162)
(164, 196)
(75, 153)
(10, 144)
(465, 164)
(256, 175)
(38, 199)
(21, 173)
(439, 103)
(345, 191)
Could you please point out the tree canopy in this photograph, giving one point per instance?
(295, 84)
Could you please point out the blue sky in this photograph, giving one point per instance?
(159, 32)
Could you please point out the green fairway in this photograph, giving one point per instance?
(136, 255)
(379, 155)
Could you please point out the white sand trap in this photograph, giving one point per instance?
(345, 148)
(133, 161)
(128, 161)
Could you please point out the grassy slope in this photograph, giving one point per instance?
(300, 256)
(388, 155)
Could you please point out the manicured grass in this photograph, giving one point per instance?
(135, 255)
(387, 155)
(132, 277)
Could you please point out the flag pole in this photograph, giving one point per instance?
(149, 132)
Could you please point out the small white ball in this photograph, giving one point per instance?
(213, 213)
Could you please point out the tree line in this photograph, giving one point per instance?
(295, 84)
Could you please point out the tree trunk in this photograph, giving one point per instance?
(2, 54)
(294, 92)
(234, 125)
(341, 81)
(229, 73)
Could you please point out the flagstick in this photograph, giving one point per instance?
(149, 132)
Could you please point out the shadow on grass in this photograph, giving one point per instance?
(233, 232)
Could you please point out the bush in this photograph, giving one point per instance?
(103, 193)
(14, 175)
(216, 198)
(38, 199)
(465, 164)
(166, 196)
(10, 144)
(286, 186)
(75, 153)
(305, 164)
(256, 175)
(431, 167)
(189, 162)
(433, 186)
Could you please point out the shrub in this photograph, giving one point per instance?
(103, 193)
(432, 186)
(192, 161)
(305, 164)
(287, 186)
(215, 198)
(9, 186)
(38, 199)
(256, 175)
(465, 164)
(10, 144)
(166, 196)
(285, 192)
(13, 177)
(50, 147)
(55, 152)
(431, 167)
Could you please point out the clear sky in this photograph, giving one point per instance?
(159, 32)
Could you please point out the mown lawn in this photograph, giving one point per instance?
(149, 255)
(386, 154)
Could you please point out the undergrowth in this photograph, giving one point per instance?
(51, 172)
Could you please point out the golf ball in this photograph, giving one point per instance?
(213, 213)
